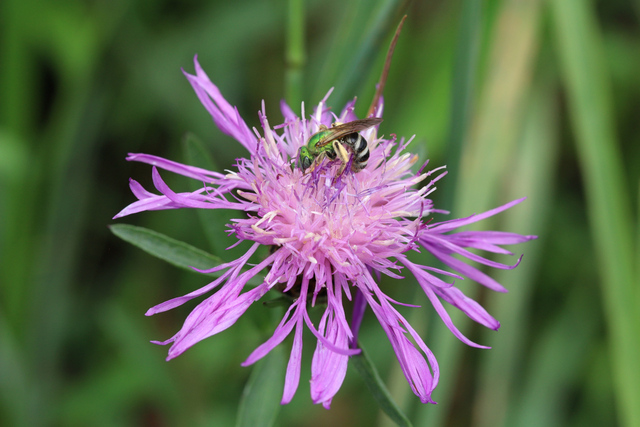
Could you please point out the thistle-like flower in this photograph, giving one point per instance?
(332, 232)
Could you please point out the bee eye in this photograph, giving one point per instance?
(306, 163)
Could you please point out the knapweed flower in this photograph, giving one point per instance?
(331, 232)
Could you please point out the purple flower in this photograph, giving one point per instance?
(332, 232)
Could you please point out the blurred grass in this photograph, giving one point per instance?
(607, 194)
(295, 54)
(487, 155)
(533, 172)
(462, 90)
(83, 83)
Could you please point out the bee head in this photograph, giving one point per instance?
(305, 159)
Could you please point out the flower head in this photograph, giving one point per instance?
(333, 232)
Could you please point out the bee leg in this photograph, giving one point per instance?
(343, 154)
(315, 163)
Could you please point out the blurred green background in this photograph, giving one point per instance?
(518, 97)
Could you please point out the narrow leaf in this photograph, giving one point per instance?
(260, 402)
(376, 386)
(171, 250)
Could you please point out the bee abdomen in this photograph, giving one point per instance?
(360, 148)
(363, 157)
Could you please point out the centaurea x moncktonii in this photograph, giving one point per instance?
(330, 231)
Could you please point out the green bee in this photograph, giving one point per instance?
(331, 142)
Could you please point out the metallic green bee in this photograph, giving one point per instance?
(331, 142)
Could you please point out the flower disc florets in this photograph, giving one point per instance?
(331, 232)
(352, 221)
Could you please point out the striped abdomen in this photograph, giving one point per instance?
(360, 149)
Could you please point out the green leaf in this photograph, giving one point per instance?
(260, 402)
(171, 250)
(164, 247)
(376, 386)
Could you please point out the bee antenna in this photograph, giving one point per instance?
(385, 70)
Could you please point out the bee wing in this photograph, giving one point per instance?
(344, 129)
